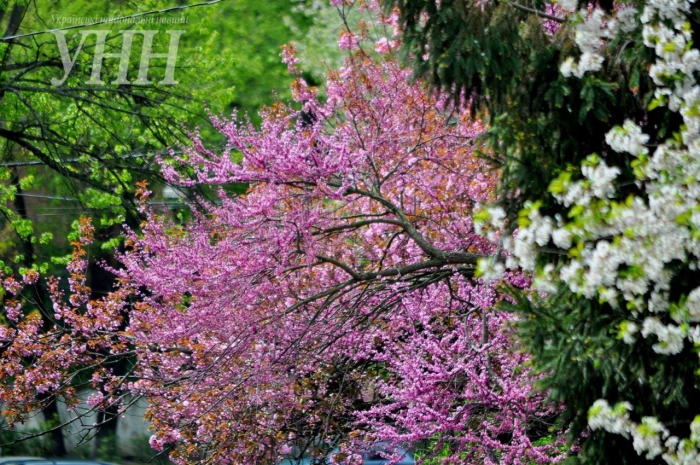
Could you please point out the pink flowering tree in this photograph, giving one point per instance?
(334, 304)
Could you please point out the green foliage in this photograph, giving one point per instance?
(106, 447)
(79, 149)
(38, 446)
(320, 25)
(434, 452)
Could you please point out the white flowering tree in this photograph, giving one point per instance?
(594, 112)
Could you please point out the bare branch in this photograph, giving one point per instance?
(537, 12)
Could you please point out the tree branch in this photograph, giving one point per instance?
(18, 139)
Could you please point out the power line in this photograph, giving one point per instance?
(9, 164)
(69, 199)
(109, 20)
(49, 197)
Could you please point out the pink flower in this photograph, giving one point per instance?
(301, 92)
(348, 41)
(95, 399)
(156, 443)
(285, 449)
(13, 310)
(12, 286)
(30, 277)
(384, 45)
(172, 435)
(288, 55)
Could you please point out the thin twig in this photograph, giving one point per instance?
(537, 12)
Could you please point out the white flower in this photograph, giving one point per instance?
(695, 429)
(497, 215)
(568, 4)
(489, 269)
(589, 34)
(562, 238)
(601, 416)
(609, 295)
(589, 62)
(670, 9)
(630, 243)
(626, 18)
(571, 274)
(647, 15)
(670, 336)
(627, 139)
(694, 334)
(568, 67)
(494, 220)
(545, 280)
(543, 230)
(646, 437)
(628, 329)
(602, 177)
(693, 305)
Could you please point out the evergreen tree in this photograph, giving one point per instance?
(591, 114)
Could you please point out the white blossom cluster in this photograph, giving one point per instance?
(569, 5)
(649, 437)
(591, 31)
(621, 251)
(628, 139)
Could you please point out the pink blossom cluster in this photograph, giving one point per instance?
(43, 355)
